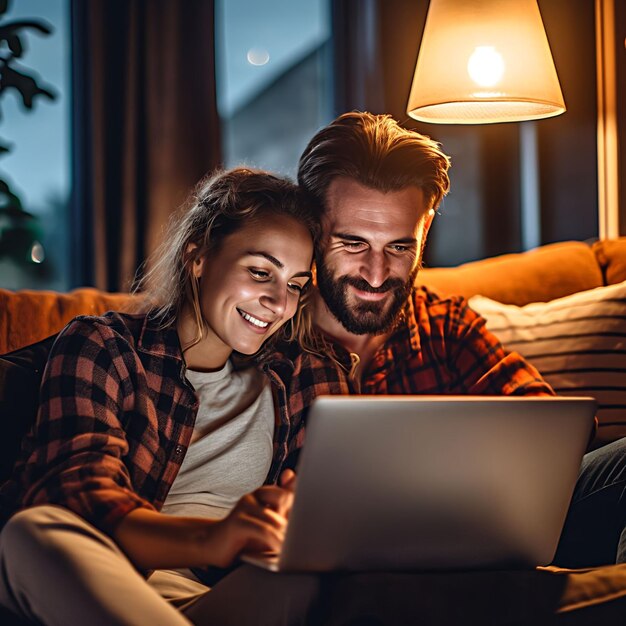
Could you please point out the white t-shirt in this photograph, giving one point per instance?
(231, 449)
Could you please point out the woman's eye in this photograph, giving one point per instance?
(259, 274)
(295, 287)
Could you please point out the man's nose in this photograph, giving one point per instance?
(375, 268)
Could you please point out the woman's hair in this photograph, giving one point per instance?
(219, 206)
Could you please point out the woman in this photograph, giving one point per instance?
(152, 445)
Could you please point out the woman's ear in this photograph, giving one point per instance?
(194, 259)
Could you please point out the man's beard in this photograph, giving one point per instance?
(365, 317)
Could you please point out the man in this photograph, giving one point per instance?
(378, 186)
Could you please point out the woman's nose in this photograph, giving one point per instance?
(275, 299)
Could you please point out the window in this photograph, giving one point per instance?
(274, 74)
(34, 250)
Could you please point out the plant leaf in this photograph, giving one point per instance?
(15, 45)
(24, 83)
(10, 28)
(11, 203)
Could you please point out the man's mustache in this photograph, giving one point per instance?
(362, 285)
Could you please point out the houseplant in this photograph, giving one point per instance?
(19, 229)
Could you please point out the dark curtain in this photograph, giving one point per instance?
(620, 72)
(146, 127)
(567, 144)
(357, 53)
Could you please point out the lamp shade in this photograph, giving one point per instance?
(484, 61)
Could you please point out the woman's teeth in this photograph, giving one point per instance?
(253, 320)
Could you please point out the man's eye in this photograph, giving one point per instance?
(259, 274)
(353, 245)
(399, 248)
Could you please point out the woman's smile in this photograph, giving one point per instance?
(258, 324)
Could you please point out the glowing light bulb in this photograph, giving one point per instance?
(258, 56)
(485, 66)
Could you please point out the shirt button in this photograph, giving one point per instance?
(178, 450)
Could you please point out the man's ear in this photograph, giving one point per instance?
(428, 220)
(194, 259)
(426, 223)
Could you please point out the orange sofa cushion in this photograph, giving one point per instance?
(28, 316)
(611, 255)
(549, 272)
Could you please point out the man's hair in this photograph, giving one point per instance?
(377, 152)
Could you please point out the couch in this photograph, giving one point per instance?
(518, 294)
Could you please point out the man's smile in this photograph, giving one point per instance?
(376, 296)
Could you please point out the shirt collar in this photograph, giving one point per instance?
(159, 340)
(404, 341)
(412, 324)
(407, 328)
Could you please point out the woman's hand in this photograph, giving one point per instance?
(256, 524)
(288, 480)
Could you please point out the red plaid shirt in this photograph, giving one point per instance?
(443, 347)
(117, 414)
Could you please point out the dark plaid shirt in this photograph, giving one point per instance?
(117, 413)
(116, 417)
(440, 347)
(443, 347)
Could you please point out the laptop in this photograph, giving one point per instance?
(433, 483)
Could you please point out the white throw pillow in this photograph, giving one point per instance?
(578, 343)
